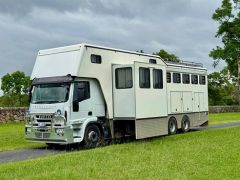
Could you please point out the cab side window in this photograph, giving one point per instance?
(81, 91)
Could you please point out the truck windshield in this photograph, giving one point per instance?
(50, 93)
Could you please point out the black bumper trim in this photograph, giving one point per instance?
(46, 140)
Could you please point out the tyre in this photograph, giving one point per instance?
(172, 126)
(92, 137)
(185, 124)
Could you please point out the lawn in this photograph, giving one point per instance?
(12, 134)
(224, 117)
(212, 154)
(12, 137)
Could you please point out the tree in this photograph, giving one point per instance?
(167, 56)
(228, 16)
(15, 89)
(222, 88)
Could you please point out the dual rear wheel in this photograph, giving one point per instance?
(173, 127)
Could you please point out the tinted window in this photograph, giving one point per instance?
(152, 61)
(169, 79)
(81, 91)
(202, 80)
(157, 79)
(176, 78)
(96, 59)
(194, 79)
(185, 78)
(144, 78)
(123, 78)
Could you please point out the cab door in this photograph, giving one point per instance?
(82, 100)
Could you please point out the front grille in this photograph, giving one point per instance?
(46, 135)
(43, 120)
(42, 135)
(38, 134)
(44, 116)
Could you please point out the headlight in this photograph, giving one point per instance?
(58, 120)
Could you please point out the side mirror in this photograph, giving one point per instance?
(30, 94)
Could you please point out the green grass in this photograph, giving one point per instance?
(12, 134)
(12, 137)
(212, 154)
(224, 117)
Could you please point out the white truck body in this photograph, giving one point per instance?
(118, 103)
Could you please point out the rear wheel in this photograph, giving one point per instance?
(185, 124)
(92, 137)
(172, 126)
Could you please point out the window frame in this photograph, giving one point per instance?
(141, 85)
(193, 81)
(177, 82)
(95, 61)
(169, 77)
(76, 90)
(161, 78)
(116, 78)
(152, 61)
(184, 79)
(201, 77)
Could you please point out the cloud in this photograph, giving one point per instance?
(183, 27)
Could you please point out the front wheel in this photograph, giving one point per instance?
(92, 137)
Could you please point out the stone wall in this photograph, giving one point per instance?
(222, 109)
(17, 114)
(12, 114)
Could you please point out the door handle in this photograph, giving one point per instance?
(90, 113)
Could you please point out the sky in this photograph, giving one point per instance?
(182, 27)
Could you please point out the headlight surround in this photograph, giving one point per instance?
(58, 120)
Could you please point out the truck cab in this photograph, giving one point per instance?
(62, 107)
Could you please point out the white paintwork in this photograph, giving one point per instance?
(187, 97)
(150, 102)
(95, 103)
(124, 99)
(56, 64)
(136, 102)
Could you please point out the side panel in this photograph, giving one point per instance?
(176, 102)
(151, 105)
(201, 102)
(150, 102)
(56, 64)
(103, 72)
(123, 99)
(187, 101)
(151, 127)
(196, 102)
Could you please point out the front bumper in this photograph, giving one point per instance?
(51, 135)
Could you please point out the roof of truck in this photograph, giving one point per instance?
(78, 46)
